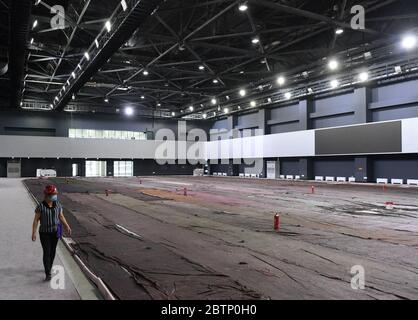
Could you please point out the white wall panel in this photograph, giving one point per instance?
(410, 135)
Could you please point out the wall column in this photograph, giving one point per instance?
(305, 107)
(262, 121)
(362, 98)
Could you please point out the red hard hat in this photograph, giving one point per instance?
(50, 189)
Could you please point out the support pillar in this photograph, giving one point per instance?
(305, 107)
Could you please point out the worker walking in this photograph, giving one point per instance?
(51, 217)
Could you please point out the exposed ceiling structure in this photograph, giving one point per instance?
(199, 58)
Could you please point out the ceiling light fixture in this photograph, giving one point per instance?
(124, 5)
(214, 101)
(204, 116)
(201, 67)
(35, 24)
(215, 81)
(129, 111)
(409, 42)
(108, 26)
(243, 7)
(281, 81)
(255, 40)
(288, 95)
(253, 104)
(145, 73)
(334, 83)
(363, 77)
(242, 93)
(333, 64)
(339, 31)
(191, 108)
(87, 56)
(226, 110)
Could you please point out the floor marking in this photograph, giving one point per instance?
(128, 231)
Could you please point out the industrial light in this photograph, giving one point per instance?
(35, 24)
(56, 98)
(339, 31)
(129, 111)
(243, 7)
(97, 43)
(226, 110)
(201, 67)
(79, 66)
(124, 5)
(145, 73)
(409, 42)
(281, 80)
(64, 88)
(364, 76)
(214, 101)
(333, 64)
(73, 75)
(288, 95)
(173, 114)
(242, 93)
(334, 84)
(398, 69)
(86, 54)
(68, 82)
(158, 104)
(253, 104)
(108, 26)
(142, 97)
(215, 81)
(191, 108)
(204, 116)
(106, 100)
(255, 40)
(73, 97)
(31, 41)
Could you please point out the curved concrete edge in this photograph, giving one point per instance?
(81, 277)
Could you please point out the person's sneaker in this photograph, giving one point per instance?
(48, 277)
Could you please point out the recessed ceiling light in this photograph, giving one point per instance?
(288, 95)
(281, 80)
(364, 76)
(242, 93)
(409, 42)
(333, 64)
(334, 84)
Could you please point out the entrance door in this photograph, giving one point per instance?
(13, 169)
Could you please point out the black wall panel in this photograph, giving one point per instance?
(367, 139)
(334, 167)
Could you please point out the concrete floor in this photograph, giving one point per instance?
(21, 270)
(147, 240)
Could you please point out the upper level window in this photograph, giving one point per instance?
(106, 134)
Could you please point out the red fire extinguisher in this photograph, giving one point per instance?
(276, 222)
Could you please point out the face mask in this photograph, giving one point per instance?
(54, 198)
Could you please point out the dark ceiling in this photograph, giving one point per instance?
(295, 36)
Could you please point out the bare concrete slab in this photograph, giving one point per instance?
(21, 269)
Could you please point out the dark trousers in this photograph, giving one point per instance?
(49, 243)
